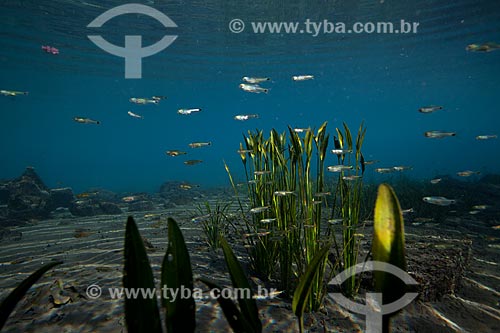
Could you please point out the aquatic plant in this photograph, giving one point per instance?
(285, 226)
(142, 314)
(214, 222)
(388, 246)
(349, 190)
(247, 318)
(303, 290)
(10, 302)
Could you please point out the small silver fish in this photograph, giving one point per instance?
(339, 168)
(302, 77)
(143, 101)
(485, 47)
(201, 218)
(436, 180)
(384, 170)
(266, 221)
(192, 162)
(407, 211)
(243, 117)
(255, 80)
(253, 88)
(480, 207)
(188, 111)
(468, 173)
(429, 109)
(438, 134)
(322, 194)
(257, 210)
(350, 178)
(175, 152)
(440, 201)
(244, 151)
(134, 115)
(261, 172)
(283, 193)
(341, 151)
(486, 137)
(199, 144)
(301, 130)
(12, 93)
(402, 168)
(82, 120)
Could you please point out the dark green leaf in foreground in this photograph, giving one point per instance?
(233, 315)
(248, 306)
(176, 275)
(304, 287)
(8, 304)
(141, 314)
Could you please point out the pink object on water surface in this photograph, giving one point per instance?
(50, 49)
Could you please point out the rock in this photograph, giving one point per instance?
(172, 191)
(140, 206)
(110, 208)
(30, 176)
(61, 213)
(61, 197)
(86, 208)
(28, 197)
(106, 196)
(4, 194)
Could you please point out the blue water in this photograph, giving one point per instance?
(379, 79)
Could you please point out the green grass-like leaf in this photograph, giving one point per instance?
(234, 317)
(303, 289)
(176, 274)
(141, 314)
(9, 303)
(248, 306)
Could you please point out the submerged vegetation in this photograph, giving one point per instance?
(142, 313)
(291, 220)
(214, 222)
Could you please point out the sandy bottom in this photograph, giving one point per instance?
(92, 251)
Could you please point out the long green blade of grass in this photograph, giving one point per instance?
(247, 305)
(141, 314)
(9, 303)
(233, 315)
(304, 287)
(176, 275)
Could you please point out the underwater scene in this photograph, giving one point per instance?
(250, 166)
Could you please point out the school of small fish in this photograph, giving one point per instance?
(256, 85)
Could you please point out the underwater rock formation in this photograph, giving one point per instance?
(140, 206)
(173, 193)
(28, 197)
(61, 197)
(110, 208)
